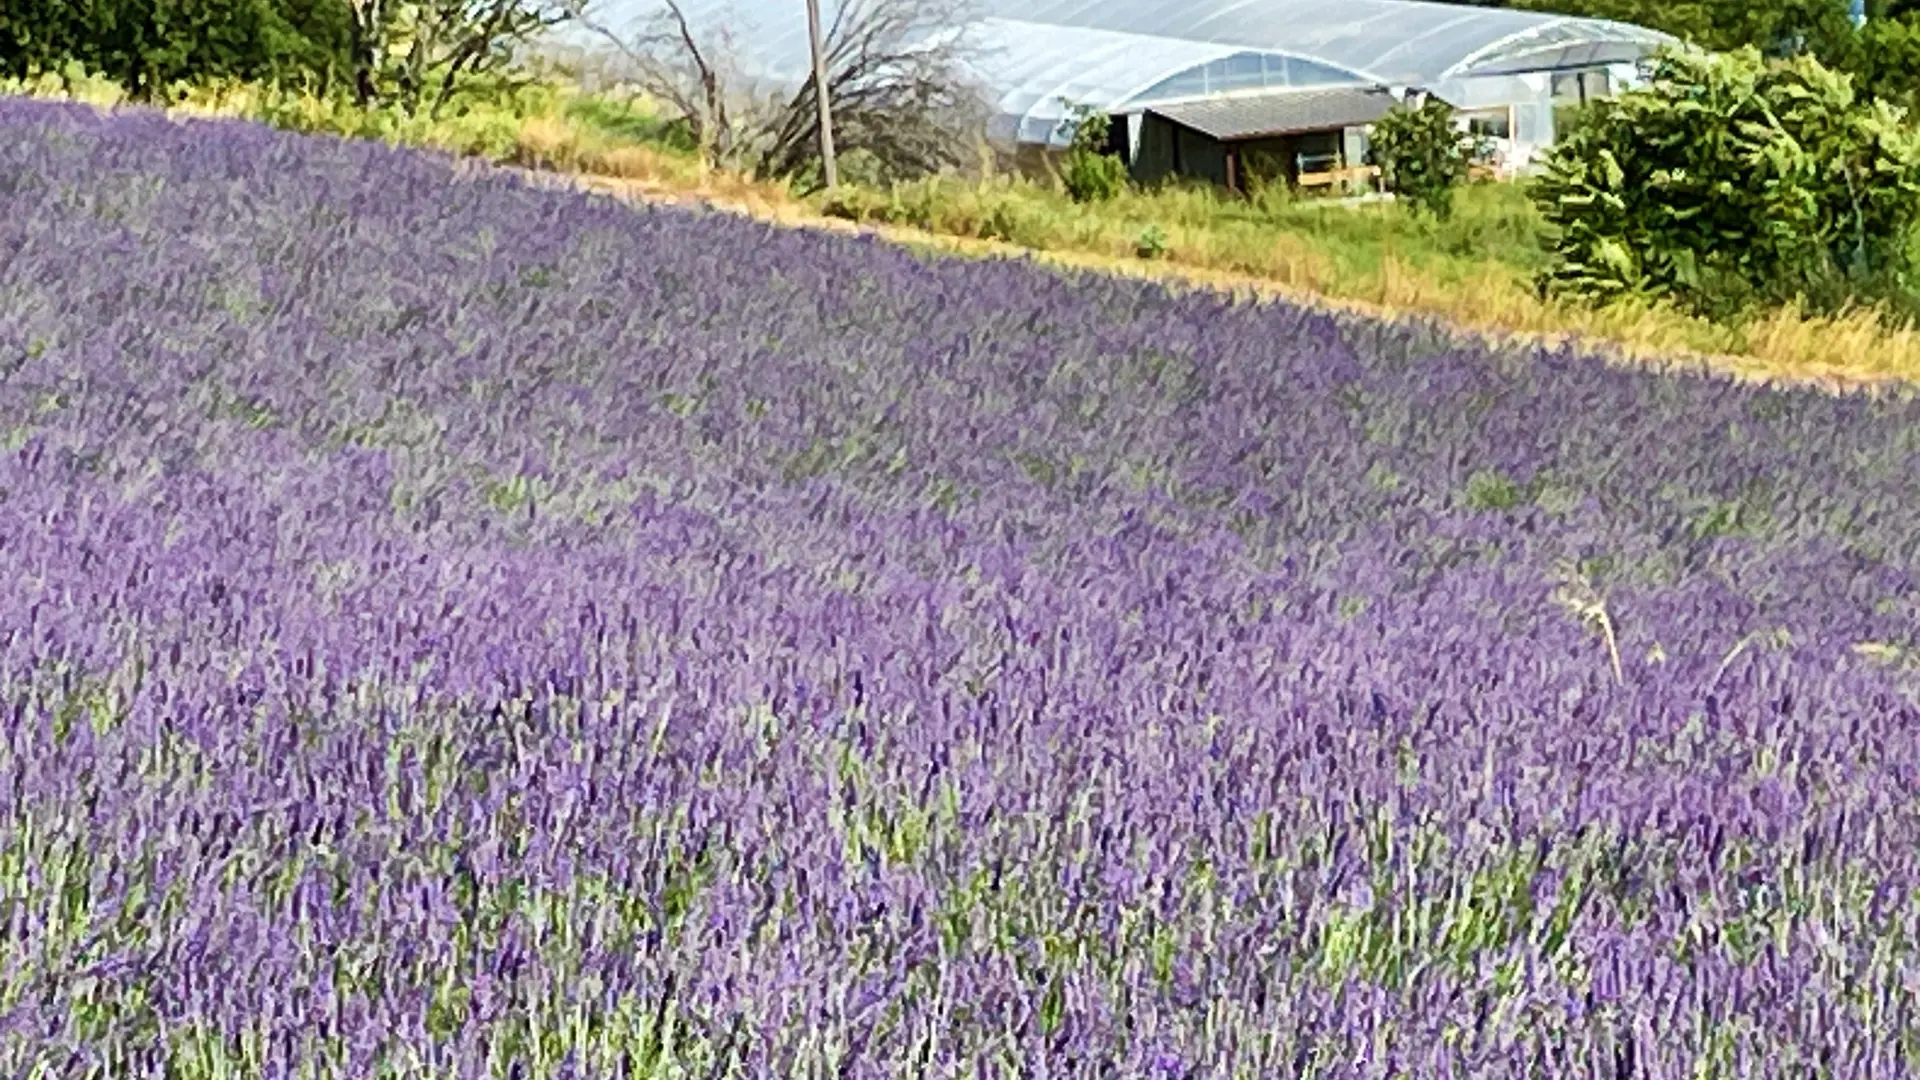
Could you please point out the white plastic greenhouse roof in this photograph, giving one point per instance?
(1031, 55)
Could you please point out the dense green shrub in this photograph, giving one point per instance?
(1091, 173)
(147, 45)
(1152, 243)
(1731, 181)
(413, 55)
(1423, 155)
(1888, 62)
(1882, 54)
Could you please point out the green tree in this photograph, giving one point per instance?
(1423, 155)
(410, 53)
(1888, 62)
(147, 45)
(1731, 181)
(1091, 174)
(315, 43)
(1881, 54)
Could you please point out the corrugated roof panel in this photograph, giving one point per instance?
(1410, 41)
(1102, 68)
(1286, 112)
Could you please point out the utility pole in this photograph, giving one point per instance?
(831, 174)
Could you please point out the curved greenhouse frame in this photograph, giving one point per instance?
(1119, 56)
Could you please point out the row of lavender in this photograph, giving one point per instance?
(454, 629)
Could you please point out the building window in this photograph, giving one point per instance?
(1490, 124)
(1580, 87)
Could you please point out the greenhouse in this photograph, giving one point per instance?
(1294, 80)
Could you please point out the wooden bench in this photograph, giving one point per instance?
(1357, 175)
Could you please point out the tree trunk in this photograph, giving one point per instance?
(363, 44)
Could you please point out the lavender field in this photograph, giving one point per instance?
(454, 629)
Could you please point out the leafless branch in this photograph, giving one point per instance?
(676, 67)
(896, 82)
(898, 87)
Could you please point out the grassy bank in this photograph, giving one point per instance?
(1475, 270)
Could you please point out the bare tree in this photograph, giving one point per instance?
(689, 74)
(444, 41)
(896, 78)
(898, 90)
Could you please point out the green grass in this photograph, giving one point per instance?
(620, 122)
(1495, 225)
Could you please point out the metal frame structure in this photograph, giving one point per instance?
(1036, 58)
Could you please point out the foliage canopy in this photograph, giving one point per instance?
(146, 45)
(1883, 55)
(1091, 173)
(1731, 181)
(1423, 155)
(409, 53)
